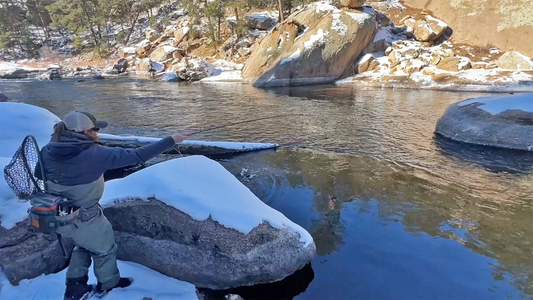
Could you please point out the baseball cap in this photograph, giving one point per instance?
(80, 121)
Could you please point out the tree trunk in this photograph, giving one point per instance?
(131, 28)
(281, 15)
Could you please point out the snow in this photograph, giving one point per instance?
(384, 34)
(439, 22)
(158, 67)
(143, 43)
(223, 145)
(9, 67)
(417, 63)
(365, 58)
(224, 76)
(17, 120)
(129, 50)
(324, 6)
(293, 56)
(169, 49)
(315, 40)
(147, 283)
(338, 25)
(201, 188)
(496, 105)
(494, 51)
(463, 63)
(360, 18)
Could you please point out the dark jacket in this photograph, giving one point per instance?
(74, 159)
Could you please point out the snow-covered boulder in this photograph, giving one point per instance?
(454, 64)
(194, 70)
(147, 65)
(367, 63)
(191, 219)
(170, 77)
(515, 61)
(426, 29)
(163, 53)
(314, 45)
(126, 51)
(181, 35)
(498, 121)
(261, 21)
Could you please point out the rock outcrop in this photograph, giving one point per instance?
(261, 21)
(498, 121)
(314, 45)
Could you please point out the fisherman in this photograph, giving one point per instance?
(74, 164)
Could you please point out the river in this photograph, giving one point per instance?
(396, 212)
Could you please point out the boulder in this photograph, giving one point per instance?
(189, 236)
(152, 35)
(427, 28)
(170, 77)
(163, 53)
(367, 63)
(454, 64)
(314, 45)
(514, 61)
(181, 35)
(194, 70)
(496, 121)
(126, 51)
(98, 76)
(27, 254)
(414, 65)
(261, 21)
(351, 3)
(121, 65)
(148, 66)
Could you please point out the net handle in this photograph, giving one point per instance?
(39, 161)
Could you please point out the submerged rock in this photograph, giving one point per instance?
(498, 121)
(3, 97)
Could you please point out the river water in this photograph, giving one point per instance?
(396, 212)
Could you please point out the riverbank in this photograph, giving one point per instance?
(410, 49)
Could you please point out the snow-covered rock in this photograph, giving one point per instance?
(163, 53)
(170, 77)
(515, 61)
(454, 64)
(352, 3)
(427, 28)
(497, 121)
(126, 51)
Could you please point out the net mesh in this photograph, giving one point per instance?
(20, 172)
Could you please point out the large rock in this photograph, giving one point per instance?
(181, 35)
(515, 61)
(152, 35)
(498, 121)
(194, 70)
(163, 53)
(26, 254)
(367, 63)
(210, 229)
(351, 3)
(454, 64)
(314, 45)
(147, 66)
(261, 21)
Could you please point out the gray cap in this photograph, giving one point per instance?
(80, 121)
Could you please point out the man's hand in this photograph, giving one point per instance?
(178, 138)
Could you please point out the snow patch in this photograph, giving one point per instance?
(439, 22)
(338, 25)
(201, 188)
(147, 283)
(293, 56)
(360, 18)
(158, 67)
(129, 50)
(169, 49)
(324, 6)
(224, 76)
(496, 105)
(316, 40)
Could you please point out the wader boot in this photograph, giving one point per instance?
(78, 289)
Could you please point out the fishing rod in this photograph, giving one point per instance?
(243, 122)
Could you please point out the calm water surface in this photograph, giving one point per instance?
(396, 212)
